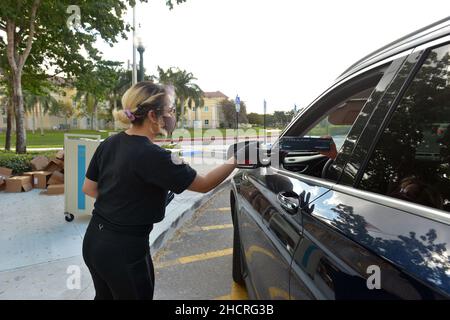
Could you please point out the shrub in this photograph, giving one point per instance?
(169, 146)
(20, 163)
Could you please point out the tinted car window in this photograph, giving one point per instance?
(357, 146)
(411, 159)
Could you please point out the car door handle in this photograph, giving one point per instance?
(289, 201)
(304, 202)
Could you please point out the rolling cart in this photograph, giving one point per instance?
(78, 152)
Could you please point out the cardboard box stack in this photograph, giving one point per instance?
(47, 174)
(18, 184)
(5, 173)
(39, 163)
(55, 184)
(39, 178)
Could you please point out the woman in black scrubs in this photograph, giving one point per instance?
(130, 177)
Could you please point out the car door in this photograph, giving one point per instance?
(268, 238)
(313, 265)
(269, 230)
(369, 237)
(269, 219)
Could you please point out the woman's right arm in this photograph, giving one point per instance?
(90, 188)
(213, 178)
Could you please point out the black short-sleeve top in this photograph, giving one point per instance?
(133, 177)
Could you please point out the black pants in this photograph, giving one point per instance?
(119, 262)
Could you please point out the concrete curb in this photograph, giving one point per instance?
(167, 234)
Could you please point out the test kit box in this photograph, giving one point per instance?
(19, 184)
(53, 189)
(39, 163)
(55, 165)
(40, 179)
(56, 178)
(5, 173)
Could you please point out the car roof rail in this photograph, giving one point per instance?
(395, 43)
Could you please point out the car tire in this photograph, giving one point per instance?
(238, 276)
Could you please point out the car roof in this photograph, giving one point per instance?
(410, 41)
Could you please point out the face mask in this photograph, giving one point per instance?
(169, 123)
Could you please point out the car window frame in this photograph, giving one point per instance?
(311, 108)
(390, 99)
(413, 208)
(362, 120)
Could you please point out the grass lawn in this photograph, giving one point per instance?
(55, 138)
(50, 139)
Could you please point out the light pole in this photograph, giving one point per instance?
(133, 73)
(141, 50)
(237, 103)
(264, 117)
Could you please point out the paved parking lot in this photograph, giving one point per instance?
(196, 262)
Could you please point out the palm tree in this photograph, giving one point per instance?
(5, 92)
(88, 105)
(121, 85)
(185, 90)
(41, 105)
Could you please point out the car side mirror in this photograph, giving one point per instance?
(250, 154)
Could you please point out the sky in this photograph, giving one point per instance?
(284, 51)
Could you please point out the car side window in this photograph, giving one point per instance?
(316, 139)
(338, 124)
(411, 160)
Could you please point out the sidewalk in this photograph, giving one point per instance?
(40, 250)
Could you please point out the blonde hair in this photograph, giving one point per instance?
(139, 100)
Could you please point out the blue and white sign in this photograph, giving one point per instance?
(237, 102)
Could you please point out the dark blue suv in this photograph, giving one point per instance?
(354, 201)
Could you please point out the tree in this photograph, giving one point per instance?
(228, 109)
(34, 81)
(122, 83)
(185, 90)
(40, 104)
(96, 86)
(398, 151)
(255, 118)
(281, 119)
(422, 254)
(278, 118)
(38, 33)
(6, 92)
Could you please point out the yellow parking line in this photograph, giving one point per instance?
(277, 293)
(195, 258)
(257, 249)
(223, 209)
(217, 227)
(238, 292)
